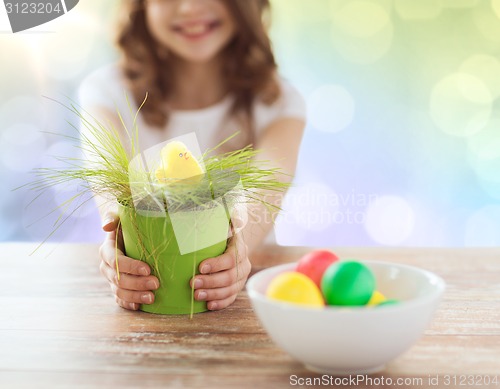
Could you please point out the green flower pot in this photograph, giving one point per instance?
(152, 237)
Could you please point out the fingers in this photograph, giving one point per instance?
(221, 279)
(221, 297)
(110, 221)
(110, 254)
(135, 283)
(127, 305)
(228, 272)
(132, 297)
(219, 294)
(128, 281)
(130, 288)
(222, 262)
(221, 304)
(220, 289)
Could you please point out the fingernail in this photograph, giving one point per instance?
(146, 298)
(205, 269)
(212, 306)
(198, 283)
(107, 220)
(143, 271)
(151, 285)
(202, 296)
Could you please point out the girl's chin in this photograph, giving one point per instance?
(197, 57)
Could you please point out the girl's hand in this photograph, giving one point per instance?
(136, 283)
(224, 276)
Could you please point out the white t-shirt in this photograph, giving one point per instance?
(106, 88)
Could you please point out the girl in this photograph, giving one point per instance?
(206, 66)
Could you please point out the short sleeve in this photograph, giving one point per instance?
(103, 88)
(290, 104)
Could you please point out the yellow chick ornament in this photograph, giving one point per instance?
(177, 163)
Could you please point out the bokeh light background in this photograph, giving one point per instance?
(402, 145)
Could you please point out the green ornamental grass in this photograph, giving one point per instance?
(104, 170)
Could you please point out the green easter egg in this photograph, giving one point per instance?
(347, 283)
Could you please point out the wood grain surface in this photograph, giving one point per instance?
(60, 328)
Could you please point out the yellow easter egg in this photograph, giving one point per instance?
(295, 288)
(376, 298)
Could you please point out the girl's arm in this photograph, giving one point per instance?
(224, 276)
(280, 144)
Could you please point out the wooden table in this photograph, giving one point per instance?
(60, 327)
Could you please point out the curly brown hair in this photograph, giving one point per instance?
(248, 60)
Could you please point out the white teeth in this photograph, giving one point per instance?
(196, 29)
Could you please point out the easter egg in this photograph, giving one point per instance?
(377, 298)
(315, 263)
(295, 288)
(347, 283)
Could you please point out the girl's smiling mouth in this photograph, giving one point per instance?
(196, 29)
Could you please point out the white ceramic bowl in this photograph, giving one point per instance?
(351, 340)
